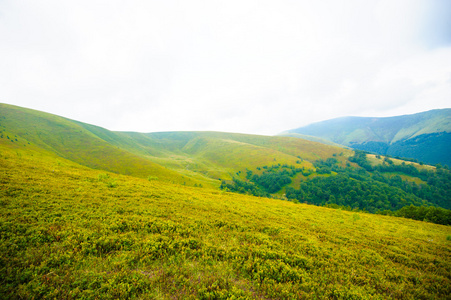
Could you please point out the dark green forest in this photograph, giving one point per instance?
(359, 186)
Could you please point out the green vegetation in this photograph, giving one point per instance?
(213, 159)
(86, 213)
(434, 186)
(369, 188)
(66, 234)
(270, 181)
(423, 136)
(67, 139)
(193, 158)
(435, 215)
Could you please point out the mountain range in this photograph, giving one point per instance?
(88, 213)
(271, 166)
(185, 157)
(424, 136)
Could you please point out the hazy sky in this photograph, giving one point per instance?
(239, 66)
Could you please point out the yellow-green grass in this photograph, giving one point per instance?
(232, 152)
(234, 155)
(406, 177)
(310, 138)
(192, 158)
(374, 160)
(67, 139)
(221, 155)
(67, 232)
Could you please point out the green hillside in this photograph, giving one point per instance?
(310, 138)
(72, 232)
(94, 214)
(191, 158)
(424, 136)
(22, 128)
(223, 154)
(287, 168)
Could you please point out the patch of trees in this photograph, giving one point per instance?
(271, 181)
(366, 195)
(243, 187)
(374, 189)
(275, 177)
(360, 159)
(436, 215)
(437, 189)
(430, 214)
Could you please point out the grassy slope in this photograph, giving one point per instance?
(429, 122)
(67, 232)
(228, 153)
(67, 139)
(424, 136)
(378, 160)
(191, 157)
(388, 130)
(309, 138)
(374, 161)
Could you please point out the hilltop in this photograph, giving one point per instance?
(423, 136)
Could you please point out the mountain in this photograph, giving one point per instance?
(423, 136)
(68, 231)
(88, 213)
(192, 158)
(287, 168)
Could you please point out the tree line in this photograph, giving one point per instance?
(375, 189)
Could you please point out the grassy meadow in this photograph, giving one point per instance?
(70, 232)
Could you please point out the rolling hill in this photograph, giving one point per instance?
(72, 232)
(423, 136)
(287, 168)
(87, 213)
(26, 128)
(183, 157)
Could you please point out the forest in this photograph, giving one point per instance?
(359, 186)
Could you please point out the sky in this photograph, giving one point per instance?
(248, 66)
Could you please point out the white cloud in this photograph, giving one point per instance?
(242, 66)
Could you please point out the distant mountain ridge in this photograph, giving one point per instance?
(424, 136)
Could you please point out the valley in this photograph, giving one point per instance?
(90, 213)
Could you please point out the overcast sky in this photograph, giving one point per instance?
(239, 66)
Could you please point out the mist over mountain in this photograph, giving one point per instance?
(424, 136)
